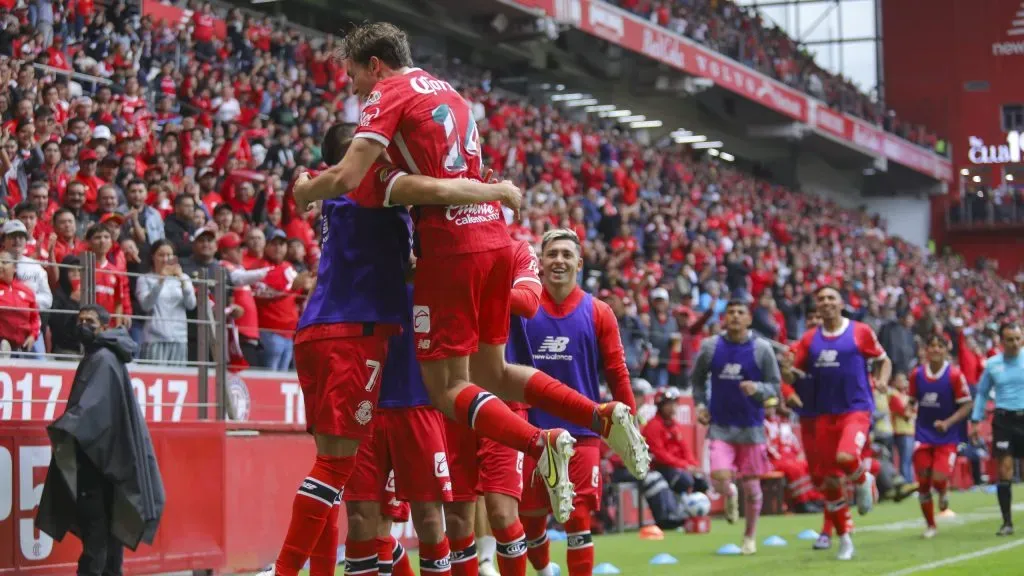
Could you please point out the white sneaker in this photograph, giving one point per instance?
(824, 542)
(930, 533)
(866, 495)
(487, 568)
(625, 439)
(732, 504)
(551, 569)
(749, 547)
(845, 548)
(553, 469)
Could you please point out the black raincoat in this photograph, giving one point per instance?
(103, 423)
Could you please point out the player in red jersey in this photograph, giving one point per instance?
(943, 398)
(835, 357)
(481, 465)
(462, 294)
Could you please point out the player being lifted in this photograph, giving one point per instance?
(835, 355)
(743, 373)
(573, 337)
(462, 293)
(359, 302)
(943, 398)
(481, 465)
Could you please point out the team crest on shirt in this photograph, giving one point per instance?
(373, 98)
(732, 371)
(827, 359)
(364, 413)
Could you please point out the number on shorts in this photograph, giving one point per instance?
(374, 367)
(952, 460)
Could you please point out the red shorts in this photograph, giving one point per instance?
(939, 458)
(809, 438)
(368, 484)
(584, 472)
(340, 380)
(480, 465)
(417, 471)
(840, 434)
(460, 301)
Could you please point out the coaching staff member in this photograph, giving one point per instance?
(1004, 373)
(103, 484)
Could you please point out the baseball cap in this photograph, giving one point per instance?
(69, 140)
(277, 234)
(14, 226)
(101, 132)
(87, 155)
(229, 241)
(659, 294)
(203, 232)
(119, 218)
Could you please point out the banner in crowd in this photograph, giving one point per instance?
(159, 11)
(628, 30)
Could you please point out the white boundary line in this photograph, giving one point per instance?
(957, 559)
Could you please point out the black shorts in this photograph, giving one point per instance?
(1008, 433)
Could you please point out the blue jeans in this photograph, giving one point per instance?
(905, 448)
(277, 351)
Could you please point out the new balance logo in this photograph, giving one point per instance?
(827, 359)
(930, 399)
(732, 372)
(553, 344)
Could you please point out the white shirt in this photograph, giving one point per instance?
(227, 110)
(32, 274)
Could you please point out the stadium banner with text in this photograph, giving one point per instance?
(628, 30)
(159, 11)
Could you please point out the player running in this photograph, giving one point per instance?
(943, 398)
(359, 302)
(462, 294)
(743, 373)
(835, 355)
(573, 336)
(483, 466)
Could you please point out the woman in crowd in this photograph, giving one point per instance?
(67, 297)
(166, 293)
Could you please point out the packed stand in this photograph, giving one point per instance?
(180, 165)
(740, 33)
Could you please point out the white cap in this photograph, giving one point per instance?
(659, 294)
(15, 226)
(101, 132)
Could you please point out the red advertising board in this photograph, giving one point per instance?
(630, 31)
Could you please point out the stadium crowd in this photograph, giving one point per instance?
(180, 163)
(741, 33)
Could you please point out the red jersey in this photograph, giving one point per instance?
(203, 27)
(248, 323)
(668, 442)
(23, 321)
(92, 186)
(429, 129)
(109, 287)
(275, 304)
(525, 299)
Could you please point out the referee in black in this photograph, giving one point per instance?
(1004, 374)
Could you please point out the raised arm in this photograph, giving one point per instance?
(342, 178)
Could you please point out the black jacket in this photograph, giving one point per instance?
(103, 421)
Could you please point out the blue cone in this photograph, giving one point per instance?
(729, 550)
(556, 535)
(990, 489)
(808, 535)
(664, 559)
(775, 541)
(605, 568)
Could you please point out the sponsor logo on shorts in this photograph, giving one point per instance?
(595, 477)
(447, 487)
(364, 413)
(552, 348)
(440, 465)
(731, 372)
(827, 359)
(860, 439)
(308, 486)
(423, 344)
(421, 319)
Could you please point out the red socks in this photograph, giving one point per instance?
(492, 418)
(323, 560)
(312, 505)
(361, 557)
(400, 560)
(511, 549)
(826, 526)
(538, 550)
(924, 495)
(580, 554)
(854, 470)
(385, 558)
(434, 559)
(464, 558)
(836, 505)
(550, 395)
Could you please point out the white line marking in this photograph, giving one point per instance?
(957, 559)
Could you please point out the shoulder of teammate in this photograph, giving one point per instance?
(867, 340)
(961, 390)
(912, 378)
(526, 263)
(385, 108)
(764, 355)
(801, 349)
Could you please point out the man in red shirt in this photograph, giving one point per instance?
(670, 451)
(464, 274)
(21, 313)
(247, 323)
(62, 242)
(276, 304)
(109, 288)
(87, 163)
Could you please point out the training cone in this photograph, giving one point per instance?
(606, 568)
(807, 535)
(664, 559)
(556, 535)
(947, 513)
(651, 532)
(990, 489)
(729, 550)
(775, 541)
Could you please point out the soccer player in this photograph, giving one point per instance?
(1004, 374)
(573, 336)
(360, 301)
(943, 398)
(743, 373)
(835, 355)
(481, 465)
(462, 294)
(409, 441)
